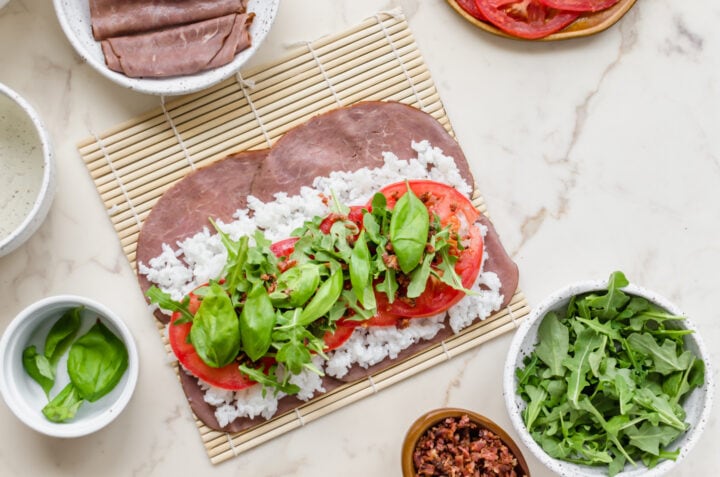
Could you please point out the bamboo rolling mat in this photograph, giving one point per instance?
(135, 162)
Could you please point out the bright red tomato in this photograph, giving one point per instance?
(580, 5)
(529, 19)
(470, 7)
(227, 377)
(456, 210)
(355, 215)
(342, 333)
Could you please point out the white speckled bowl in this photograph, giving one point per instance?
(26, 159)
(26, 398)
(697, 404)
(74, 17)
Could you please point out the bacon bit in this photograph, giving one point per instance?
(429, 248)
(286, 264)
(460, 447)
(453, 207)
(325, 199)
(272, 287)
(267, 277)
(402, 323)
(391, 261)
(389, 247)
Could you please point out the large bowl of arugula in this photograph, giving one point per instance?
(608, 378)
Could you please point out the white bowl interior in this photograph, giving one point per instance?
(697, 404)
(26, 398)
(27, 171)
(74, 17)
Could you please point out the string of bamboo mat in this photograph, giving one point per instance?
(134, 163)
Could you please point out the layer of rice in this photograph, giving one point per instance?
(201, 257)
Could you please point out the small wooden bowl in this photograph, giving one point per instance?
(429, 419)
(585, 25)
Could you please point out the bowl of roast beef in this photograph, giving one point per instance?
(167, 47)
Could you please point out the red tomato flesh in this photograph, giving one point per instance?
(528, 19)
(227, 377)
(580, 5)
(456, 210)
(470, 7)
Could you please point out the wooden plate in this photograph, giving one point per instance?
(585, 25)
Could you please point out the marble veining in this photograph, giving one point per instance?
(592, 155)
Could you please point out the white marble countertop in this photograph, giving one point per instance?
(593, 155)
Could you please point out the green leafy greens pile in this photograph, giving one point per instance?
(605, 383)
(265, 307)
(96, 362)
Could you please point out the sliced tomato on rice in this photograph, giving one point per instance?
(530, 19)
(580, 5)
(226, 377)
(453, 209)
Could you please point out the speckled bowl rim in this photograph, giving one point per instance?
(528, 330)
(171, 86)
(11, 353)
(46, 194)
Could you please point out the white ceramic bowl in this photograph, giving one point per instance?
(26, 398)
(74, 17)
(27, 171)
(697, 404)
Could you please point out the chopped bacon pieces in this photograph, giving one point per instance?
(460, 447)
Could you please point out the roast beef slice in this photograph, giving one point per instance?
(111, 18)
(180, 50)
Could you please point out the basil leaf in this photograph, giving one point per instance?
(257, 320)
(62, 334)
(96, 362)
(296, 285)
(361, 272)
(409, 227)
(325, 297)
(39, 368)
(215, 332)
(64, 406)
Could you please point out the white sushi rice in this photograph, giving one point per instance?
(201, 257)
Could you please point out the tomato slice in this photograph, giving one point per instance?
(342, 333)
(456, 210)
(580, 5)
(529, 19)
(470, 7)
(355, 215)
(227, 377)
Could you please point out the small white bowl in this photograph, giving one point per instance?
(26, 398)
(74, 17)
(697, 404)
(27, 171)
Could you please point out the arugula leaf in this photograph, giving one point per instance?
(553, 341)
(165, 301)
(665, 357)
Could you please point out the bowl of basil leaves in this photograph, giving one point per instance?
(68, 366)
(608, 378)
